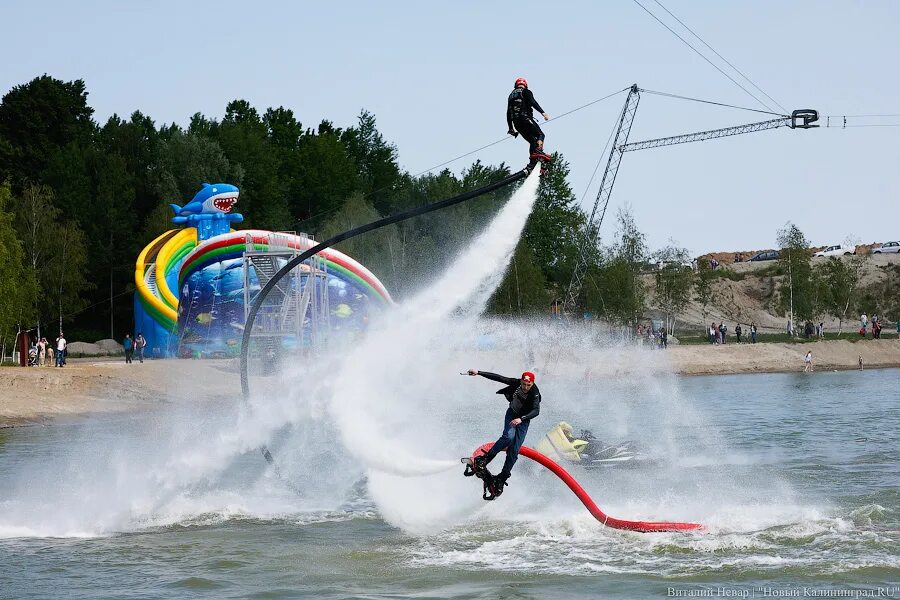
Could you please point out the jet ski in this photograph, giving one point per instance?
(562, 445)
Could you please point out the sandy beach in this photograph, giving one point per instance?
(39, 395)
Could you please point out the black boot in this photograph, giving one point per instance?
(498, 483)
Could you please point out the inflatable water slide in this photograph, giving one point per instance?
(190, 296)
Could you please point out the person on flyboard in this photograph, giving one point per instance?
(520, 119)
(524, 404)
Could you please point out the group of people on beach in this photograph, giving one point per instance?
(718, 334)
(653, 338)
(42, 352)
(877, 325)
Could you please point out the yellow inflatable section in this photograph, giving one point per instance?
(151, 267)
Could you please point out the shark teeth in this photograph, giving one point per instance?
(224, 204)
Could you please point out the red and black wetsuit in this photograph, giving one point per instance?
(520, 116)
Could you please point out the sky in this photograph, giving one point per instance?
(436, 76)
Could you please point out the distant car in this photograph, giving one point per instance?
(837, 250)
(887, 247)
(768, 255)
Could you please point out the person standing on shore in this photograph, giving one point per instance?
(753, 332)
(808, 360)
(41, 351)
(140, 342)
(738, 331)
(60, 350)
(128, 344)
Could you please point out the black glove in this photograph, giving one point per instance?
(513, 133)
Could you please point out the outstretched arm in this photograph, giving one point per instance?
(494, 377)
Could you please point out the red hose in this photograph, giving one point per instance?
(643, 526)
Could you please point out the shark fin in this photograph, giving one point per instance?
(176, 208)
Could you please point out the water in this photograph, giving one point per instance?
(805, 494)
(795, 476)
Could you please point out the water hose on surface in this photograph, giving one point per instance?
(642, 526)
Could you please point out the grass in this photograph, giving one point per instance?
(772, 270)
(726, 273)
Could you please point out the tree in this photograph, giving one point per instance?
(795, 258)
(37, 225)
(673, 282)
(371, 249)
(323, 177)
(18, 287)
(523, 289)
(244, 138)
(555, 226)
(376, 161)
(67, 271)
(36, 120)
(616, 281)
(181, 162)
(837, 281)
(703, 285)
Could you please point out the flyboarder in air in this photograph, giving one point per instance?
(520, 119)
(524, 404)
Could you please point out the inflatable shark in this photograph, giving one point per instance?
(211, 199)
(210, 210)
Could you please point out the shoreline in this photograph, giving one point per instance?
(779, 357)
(85, 387)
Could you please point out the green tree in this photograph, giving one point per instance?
(324, 177)
(181, 163)
(244, 138)
(376, 162)
(373, 249)
(674, 279)
(554, 229)
(135, 141)
(66, 272)
(36, 120)
(36, 221)
(615, 286)
(18, 287)
(523, 289)
(838, 279)
(703, 285)
(798, 291)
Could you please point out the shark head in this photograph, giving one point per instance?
(213, 198)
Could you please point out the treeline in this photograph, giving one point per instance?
(801, 290)
(80, 199)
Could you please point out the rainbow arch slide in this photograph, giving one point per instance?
(168, 261)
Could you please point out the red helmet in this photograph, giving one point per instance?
(521, 81)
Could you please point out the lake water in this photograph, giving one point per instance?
(796, 476)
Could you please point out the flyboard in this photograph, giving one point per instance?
(490, 492)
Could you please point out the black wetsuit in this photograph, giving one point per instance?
(520, 116)
(525, 408)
